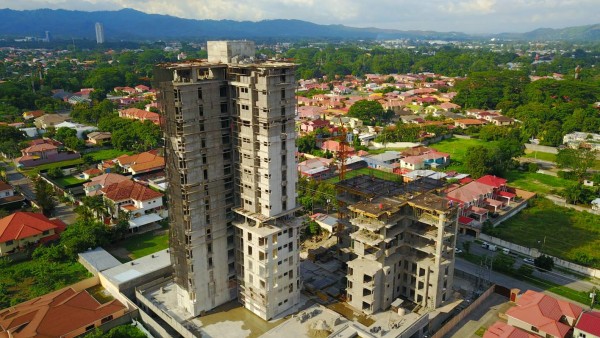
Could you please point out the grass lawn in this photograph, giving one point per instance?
(146, 244)
(383, 150)
(108, 154)
(535, 182)
(457, 148)
(25, 280)
(557, 231)
(68, 180)
(540, 155)
(35, 170)
(367, 171)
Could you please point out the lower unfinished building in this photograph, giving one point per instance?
(403, 240)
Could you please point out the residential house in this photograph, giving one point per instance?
(127, 90)
(472, 199)
(23, 229)
(312, 126)
(502, 121)
(141, 163)
(140, 115)
(6, 190)
(8, 198)
(385, 161)
(68, 312)
(588, 325)
(316, 168)
(580, 139)
(141, 203)
(310, 112)
(334, 146)
(141, 88)
(416, 151)
(466, 123)
(543, 315)
(43, 153)
(99, 137)
(28, 115)
(50, 120)
(87, 174)
(502, 192)
(503, 330)
(80, 129)
(433, 159)
(93, 187)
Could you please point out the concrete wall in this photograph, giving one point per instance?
(543, 149)
(533, 252)
(456, 319)
(510, 214)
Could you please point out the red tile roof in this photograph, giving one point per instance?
(126, 190)
(492, 180)
(5, 186)
(142, 162)
(503, 330)
(589, 322)
(56, 314)
(39, 147)
(22, 225)
(470, 192)
(544, 312)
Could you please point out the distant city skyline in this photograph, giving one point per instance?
(468, 16)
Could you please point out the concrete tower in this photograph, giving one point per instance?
(99, 33)
(230, 145)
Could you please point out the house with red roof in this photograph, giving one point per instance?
(334, 147)
(68, 312)
(466, 123)
(313, 125)
(588, 325)
(145, 162)
(42, 153)
(141, 88)
(543, 315)
(23, 229)
(141, 203)
(140, 115)
(92, 188)
(502, 192)
(503, 330)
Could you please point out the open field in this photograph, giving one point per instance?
(557, 231)
(540, 155)
(146, 243)
(457, 148)
(68, 180)
(108, 154)
(535, 182)
(35, 170)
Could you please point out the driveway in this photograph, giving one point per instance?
(21, 182)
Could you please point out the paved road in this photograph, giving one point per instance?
(552, 276)
(19, 181)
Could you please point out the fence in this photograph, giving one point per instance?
(461, 315)
(533, 252)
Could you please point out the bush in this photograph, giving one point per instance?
(544, 263)
(525, 270)
(567, 175)
(533, 167)
(55, 172)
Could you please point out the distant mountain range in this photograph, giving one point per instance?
(129, 24)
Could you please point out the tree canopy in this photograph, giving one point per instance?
(370, 112)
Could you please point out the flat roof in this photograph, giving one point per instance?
(99, 259)
(139, 267)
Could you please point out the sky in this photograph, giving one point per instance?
(468, 16)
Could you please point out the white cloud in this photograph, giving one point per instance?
(470, 16)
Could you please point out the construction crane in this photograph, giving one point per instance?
(343, 149)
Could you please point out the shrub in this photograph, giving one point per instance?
(533, 167)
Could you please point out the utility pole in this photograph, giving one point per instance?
(593, 297)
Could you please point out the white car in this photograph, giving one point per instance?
(528, 260)
(458, 251)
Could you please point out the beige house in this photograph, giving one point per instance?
(23, 229)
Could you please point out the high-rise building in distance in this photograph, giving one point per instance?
(99, 33)
(230, 152)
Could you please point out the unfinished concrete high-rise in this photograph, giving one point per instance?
(230, 152)
(403, 242)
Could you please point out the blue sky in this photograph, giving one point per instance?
(469, 16)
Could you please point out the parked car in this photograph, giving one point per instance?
(528, 260)
(458, 251)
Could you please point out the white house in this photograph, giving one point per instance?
(79, 128)
(143, 204)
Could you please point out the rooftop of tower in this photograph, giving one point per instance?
(205, 63)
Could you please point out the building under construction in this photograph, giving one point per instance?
(403, 237)
(230, 152)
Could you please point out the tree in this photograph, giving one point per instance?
(525, 270)
(504, 263)
(578, 160)
(55, 172)
(467, 246)
(44, 196)
(63, 133)
(370, 112)
(544, 263)
(84, 234)
(477, 161)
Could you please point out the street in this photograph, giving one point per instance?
(552, 276)
(19, 181)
